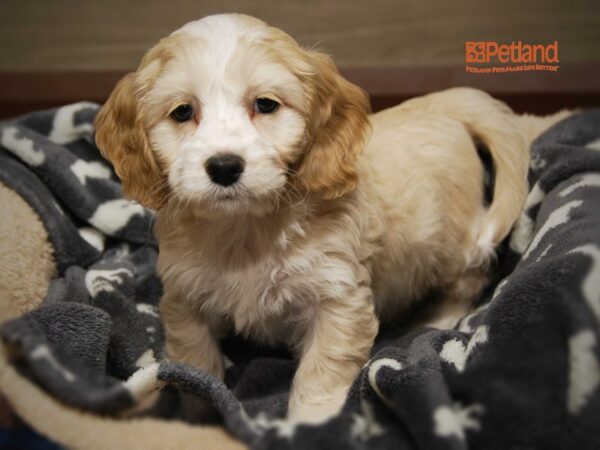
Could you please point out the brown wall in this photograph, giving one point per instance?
(59, 51)
(113, 34)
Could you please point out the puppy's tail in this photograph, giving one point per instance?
(533, 126)
(491, 123)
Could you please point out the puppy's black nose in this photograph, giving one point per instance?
(224, 169)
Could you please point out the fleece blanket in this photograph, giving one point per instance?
(521, 371)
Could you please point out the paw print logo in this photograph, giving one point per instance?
(475, 52)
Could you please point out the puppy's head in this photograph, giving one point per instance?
(228, 114)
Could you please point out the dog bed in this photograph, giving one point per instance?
(85, 365)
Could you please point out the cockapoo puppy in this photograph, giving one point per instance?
(285, 212)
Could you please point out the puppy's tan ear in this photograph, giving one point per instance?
(122, 139)
(339, 124)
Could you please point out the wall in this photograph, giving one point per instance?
(59, 51)
(112, 35)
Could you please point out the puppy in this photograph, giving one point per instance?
(286, 213)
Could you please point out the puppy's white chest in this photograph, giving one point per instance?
(260, 301)
(269, 293)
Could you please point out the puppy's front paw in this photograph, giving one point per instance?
(315, 412)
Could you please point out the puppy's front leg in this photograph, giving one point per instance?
(333, 351)
(188, 337)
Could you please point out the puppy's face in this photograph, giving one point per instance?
(231, 116)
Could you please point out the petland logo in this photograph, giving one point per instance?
(491, 57)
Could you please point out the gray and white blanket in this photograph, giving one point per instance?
(522, 371)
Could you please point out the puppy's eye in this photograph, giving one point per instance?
(265, 105)
(182, 113)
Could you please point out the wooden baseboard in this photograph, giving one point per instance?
(573, 86)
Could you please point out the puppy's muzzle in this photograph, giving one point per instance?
(224, 169)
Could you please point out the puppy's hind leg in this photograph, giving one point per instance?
(454, 304)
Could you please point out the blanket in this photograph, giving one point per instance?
(521, 371)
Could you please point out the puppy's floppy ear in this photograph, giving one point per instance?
(339, 125)
(122, 139)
